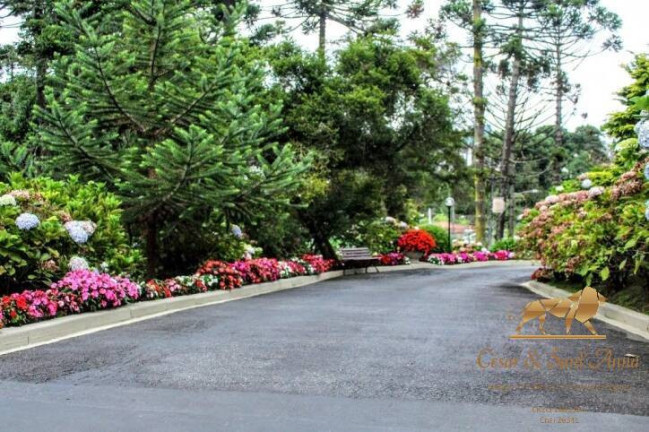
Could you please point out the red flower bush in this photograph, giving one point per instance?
(258, 270)
(291, 268)
(316, 264)
(229, 277)
(416, 241)
(393, 258)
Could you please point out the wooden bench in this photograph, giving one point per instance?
(358, 257)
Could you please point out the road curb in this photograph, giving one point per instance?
(19, 338)
(45, 332)
(483, 264)
(618, 316)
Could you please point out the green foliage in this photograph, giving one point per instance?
(440, 235)
(599, 234)
(15, 158)
(379, 122)
(161, 100)
(620, 125)
(379, 236)
(37, 256)
(508, 244)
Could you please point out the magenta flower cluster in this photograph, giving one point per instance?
(466, 257)
(79, 291)
(98, 290)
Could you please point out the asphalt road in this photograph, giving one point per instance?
(387, 352)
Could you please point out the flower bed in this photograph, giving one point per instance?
(79, 291)
(468, 257)
(393, 259)
(86, 290)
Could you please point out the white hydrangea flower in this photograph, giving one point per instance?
(595, 191)
(236, 231)
(552, 199)
(27, 221)
(7, 200)
(403, 225)
(78, 263)
(78, 234)
(88, 226)
(646, 171)
(586, 184)
(642, 130)
(390, 219)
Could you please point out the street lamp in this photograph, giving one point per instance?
(449, 202)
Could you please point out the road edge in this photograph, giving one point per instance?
(617, 316)
(14, 339)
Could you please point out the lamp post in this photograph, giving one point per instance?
(450, 202)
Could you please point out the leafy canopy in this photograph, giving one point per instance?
(159, 100)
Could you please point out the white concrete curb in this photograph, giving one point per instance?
(618, 316)
(45, 332)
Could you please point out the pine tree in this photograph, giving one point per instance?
(315, 14)
(570, 27)
(469, 14)
(163, 107)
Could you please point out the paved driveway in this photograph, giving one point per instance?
(386, 352)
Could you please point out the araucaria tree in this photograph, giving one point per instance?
(469, 15)
(569, 29)
(159, 100)
(315, 14)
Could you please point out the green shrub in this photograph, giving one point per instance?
(508, 244)
(379, 236)
(31, 258)
(440, 235)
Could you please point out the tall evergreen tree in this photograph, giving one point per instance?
(159, 101)
(621, 124)
(469, 15)
(316, 14)
(570, 27)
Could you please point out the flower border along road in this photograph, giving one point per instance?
(44, 332)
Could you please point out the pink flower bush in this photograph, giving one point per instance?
(98, 290)
(466, 257)
(79, 291)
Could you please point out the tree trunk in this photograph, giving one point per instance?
(151, 238)
(479, 122)
(507, 180)
(512, 212)
(40, 60)
(558, 120)
(321, 241)
(322, 39)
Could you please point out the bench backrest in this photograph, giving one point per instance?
(355, 253)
